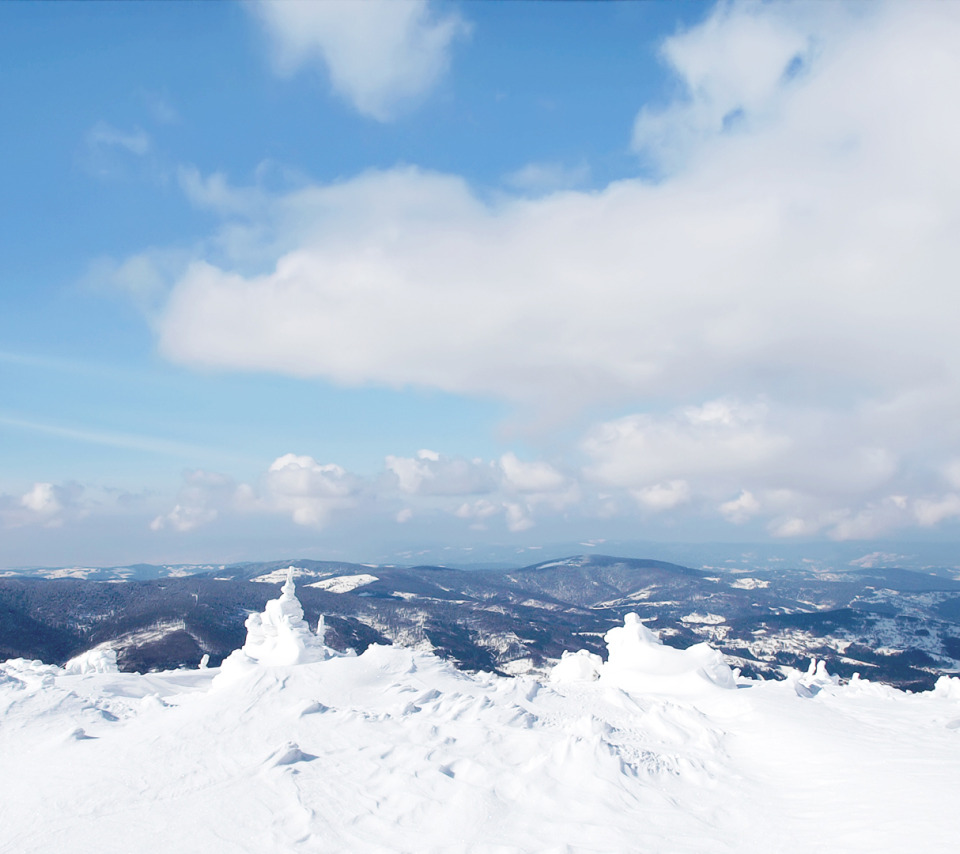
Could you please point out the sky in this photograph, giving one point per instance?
(356, 279)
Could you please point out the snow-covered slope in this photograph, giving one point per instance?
(291, 747)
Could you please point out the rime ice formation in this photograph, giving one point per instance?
(280, 635)
(948, 687)
(97, 660)
(638, 661)
(579, 666)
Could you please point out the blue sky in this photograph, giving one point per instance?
(352, 279)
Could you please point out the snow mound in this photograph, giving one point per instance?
(638, 662)
(947, 687)
(280, 635)
(97, 660)
(289, 754)
(579, 666)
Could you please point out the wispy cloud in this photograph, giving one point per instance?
(103, 135)
(121, 441)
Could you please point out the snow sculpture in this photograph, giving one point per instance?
(280, 635)
(638, 661)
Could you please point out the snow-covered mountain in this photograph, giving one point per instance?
(891, 625)
(293, 746)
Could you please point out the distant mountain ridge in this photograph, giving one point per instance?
(893, 625)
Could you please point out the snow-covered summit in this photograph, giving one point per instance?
(394, 750)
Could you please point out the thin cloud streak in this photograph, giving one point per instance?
(122, 441)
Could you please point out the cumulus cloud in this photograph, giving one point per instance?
(308, 490)
(536, 476)
(202, 497)
(379, 54)
(296, 486)
(541, 178)
(740, 509)
(430, 473)
(785, 256)
(721, 437)
(663, 496)
(314, 494)
(46, 504)
(932, 511)
(768, 295)
(735, 68)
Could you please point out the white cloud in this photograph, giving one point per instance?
(380, 54)
(786, 256)
(430, 473)
(42, 499)
(794, 526)
(537, 178)
(771, 291)
(951, 473)
(740, 509)
(202, 497)
(480, 509)
(933, 511)
(720, 438)
(161, 109)
(105, 136)
(309, 491)
(214, 192)
(537, 476)
(876, 519)
(49, 505)
(663, 496)
(518, 518)
(734, 68)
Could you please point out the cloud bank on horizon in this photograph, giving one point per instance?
(752, 329)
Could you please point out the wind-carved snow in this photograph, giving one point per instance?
(639, 662)
(291, 748)
(344, 583)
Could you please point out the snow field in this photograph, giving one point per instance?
(290, 747)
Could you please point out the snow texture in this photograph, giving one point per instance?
(290, 748)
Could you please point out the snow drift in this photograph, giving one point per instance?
(638, 661)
